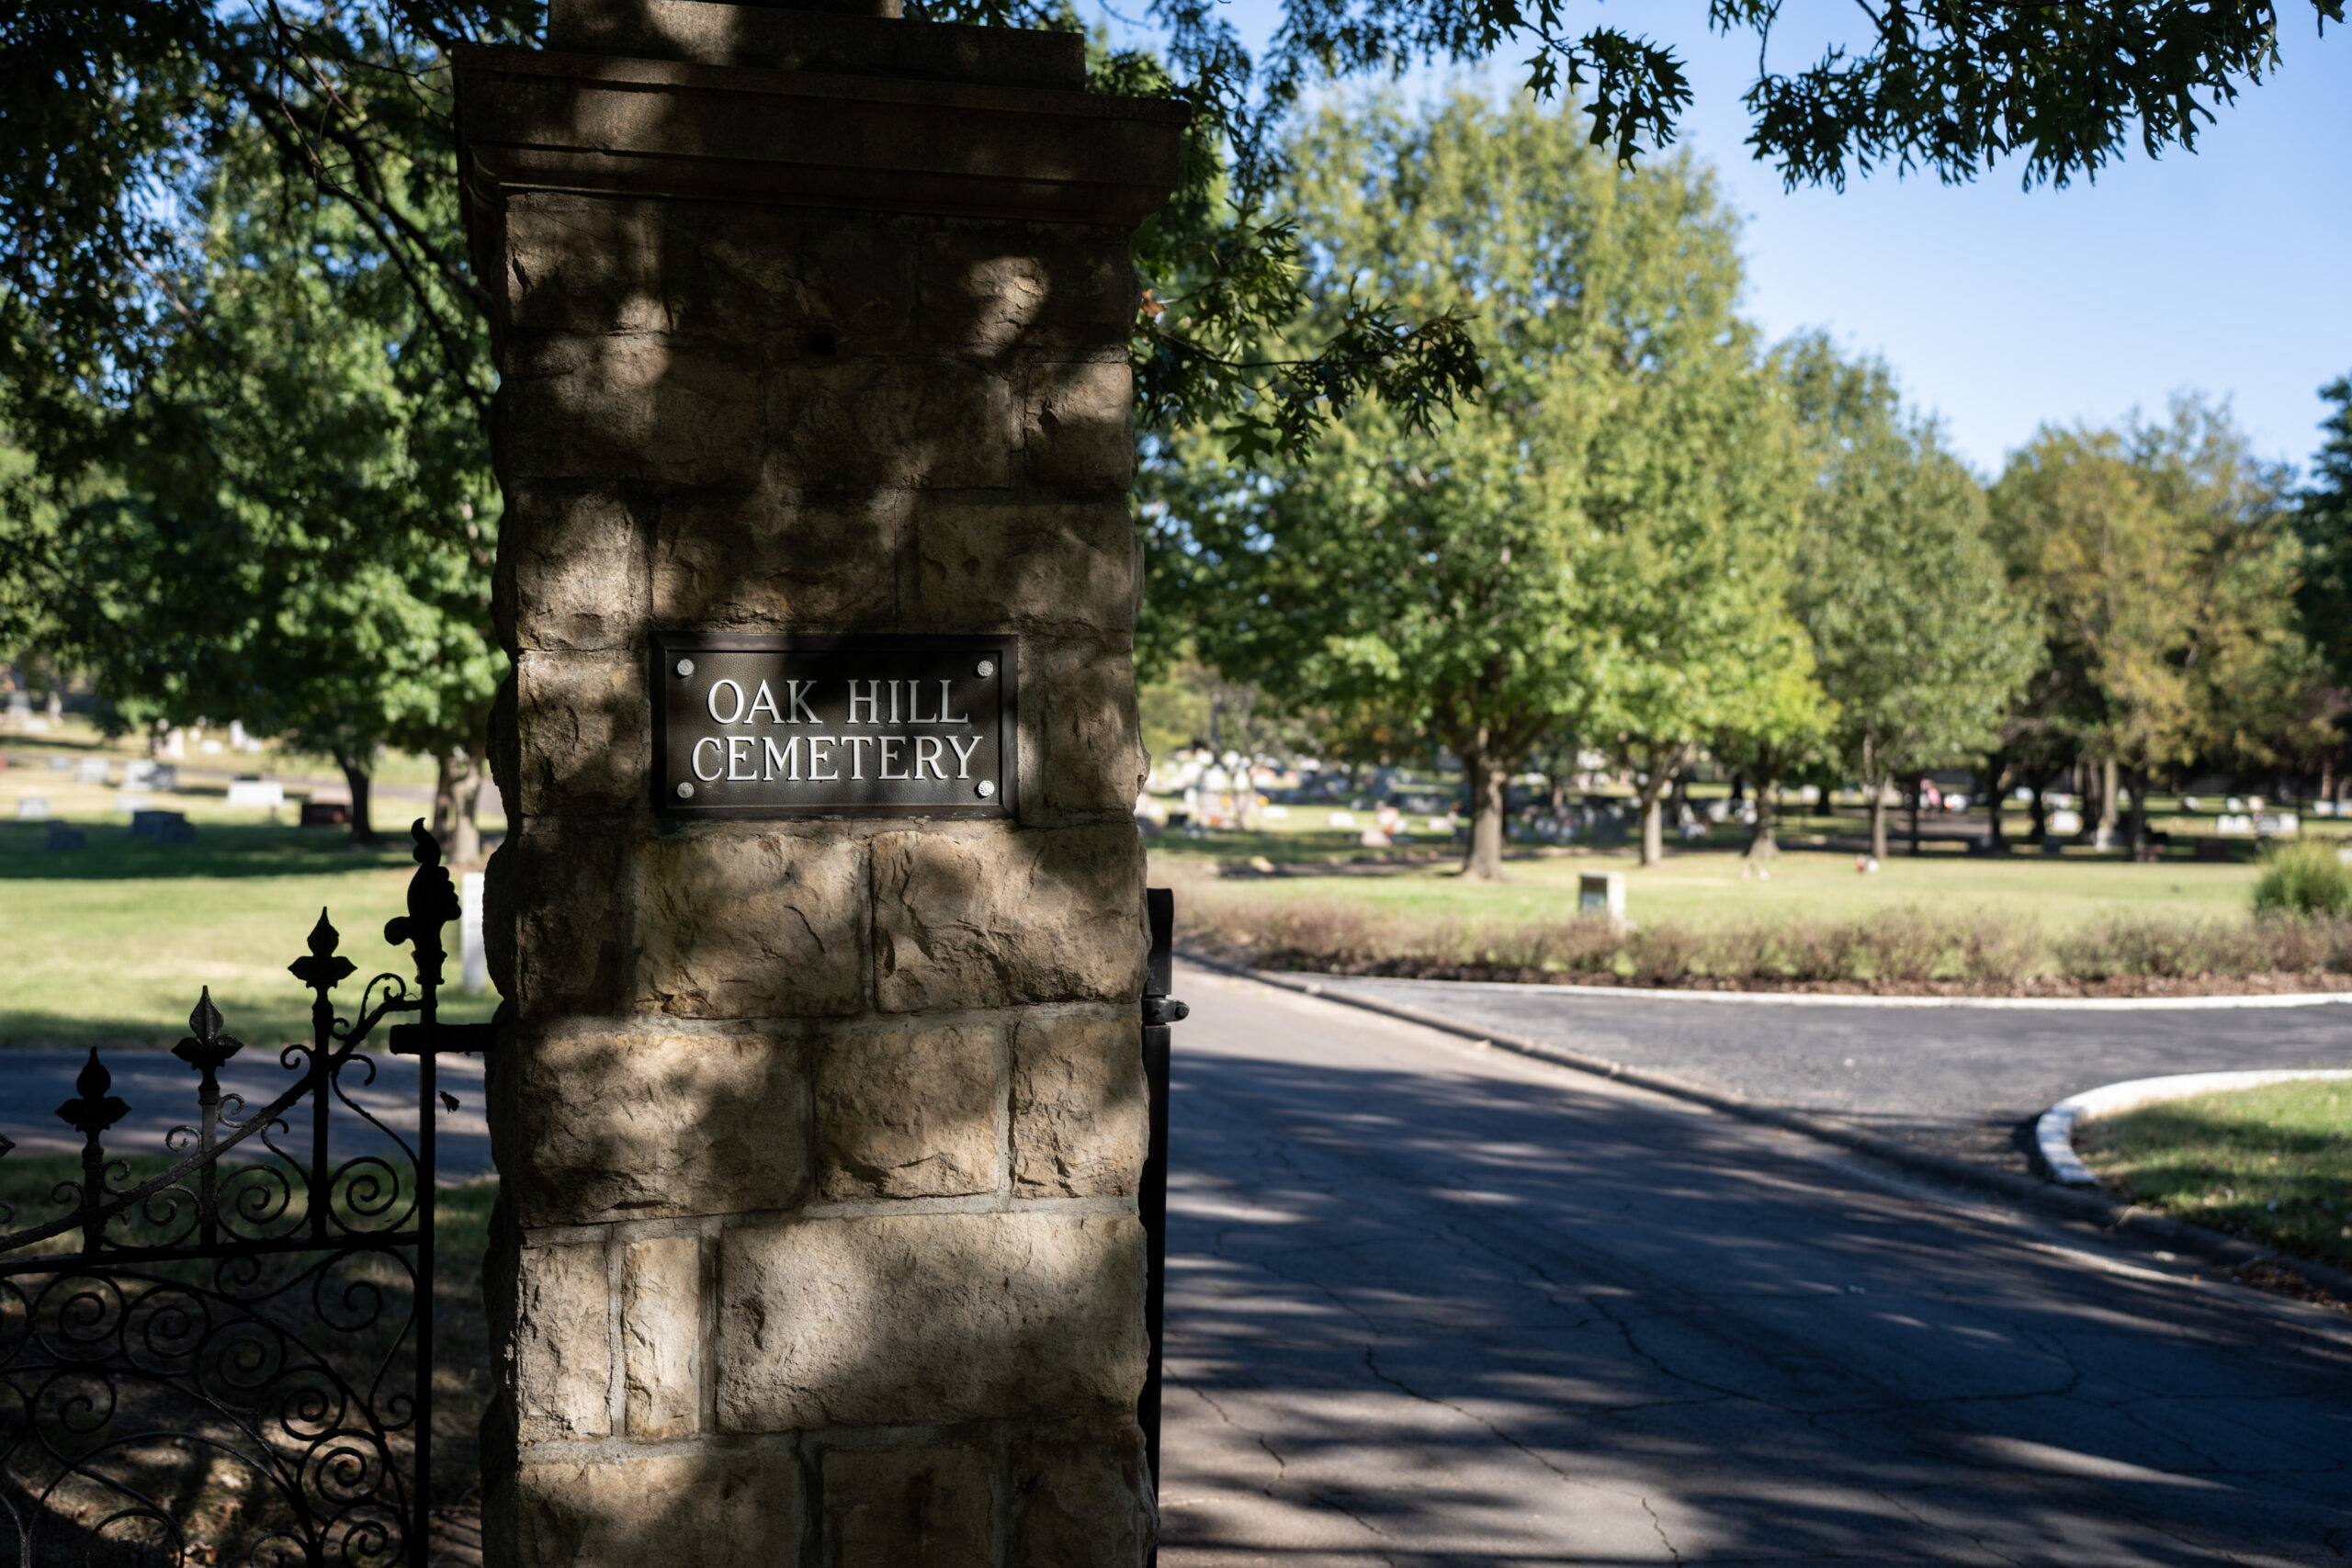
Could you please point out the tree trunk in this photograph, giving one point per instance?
(1488, 778)
(1996, 768)
(457, 791)
(1878, 817)
(1917, 790)
(1653, 798)
(1762, 845)
(2106, 793)
(356, 775)
(2039, 811)
(2136, 831)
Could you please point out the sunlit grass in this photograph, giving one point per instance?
(2272, 1164)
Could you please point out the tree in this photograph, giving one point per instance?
(1915, 636)
(293, 520)
(1581, 549)
(2168, 569)
(111, 116)
(2324, 523)
(1780, 728)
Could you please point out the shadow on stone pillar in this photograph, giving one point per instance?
(819, 1136)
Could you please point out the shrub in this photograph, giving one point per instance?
(2304, 878)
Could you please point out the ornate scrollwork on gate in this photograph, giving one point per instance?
(226, 1359)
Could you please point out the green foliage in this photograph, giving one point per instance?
(2323, 523)
(2162, 559)
(1596, 542)
(2304, 878)
(112, 117)
(291, 518)
(1915, 636)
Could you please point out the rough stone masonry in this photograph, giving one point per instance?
(818, 1138)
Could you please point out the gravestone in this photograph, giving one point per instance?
(161, 826)
(819, 1108)
(90, 770)
(32, 808)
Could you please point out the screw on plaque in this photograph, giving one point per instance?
(686, 790)
(686, 668)
(987, 668)
(986, 788)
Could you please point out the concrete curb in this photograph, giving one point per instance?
(2054, 1134)
(2117, 1221)
(1839, 999)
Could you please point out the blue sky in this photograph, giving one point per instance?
(2228, 271)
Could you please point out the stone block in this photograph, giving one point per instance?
(649, 1124)
(1054, 567)
(573, 568)
(898, 1319)
(771, 563)
(902, 1506)
(585, 728)
(1080, 426)
(1082, 700)
(806, 288)
(1082, 1501)
(647, 406)
(563, 1362)
(662, 1336)
(703, 1510)
(862, 425)
(585, 263)
(999, 918)
(1000, 286)
(553, 908)
(1079, 1107)
(908, 1112)
(746, 925)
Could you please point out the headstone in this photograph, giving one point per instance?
(2279, 825)
(2063, 823)
(325, 814)
(1600, 895)
(257, 792)
(32, 808)
(161, 826)
(133, 802)
(90, 770)
(165, 776)
(473, 964)
(64, 836)
(58, 764)
(139, 774)
(819, 1107)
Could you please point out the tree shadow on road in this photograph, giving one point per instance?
(1454, 1318)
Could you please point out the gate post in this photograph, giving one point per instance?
(820, 1134)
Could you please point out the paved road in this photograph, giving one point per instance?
(1967, 1081)
(1433, 1304)
(160, 1089)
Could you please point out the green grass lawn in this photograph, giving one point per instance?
(110, 945)
(2271, 1163)
(1704, 886)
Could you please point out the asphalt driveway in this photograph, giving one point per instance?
(1966, 1080)
(1437, 1305)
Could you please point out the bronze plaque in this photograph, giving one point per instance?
(866, 725)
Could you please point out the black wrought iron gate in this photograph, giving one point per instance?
(223, 1354)
(1159, 1011)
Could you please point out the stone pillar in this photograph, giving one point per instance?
(818, 1138)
